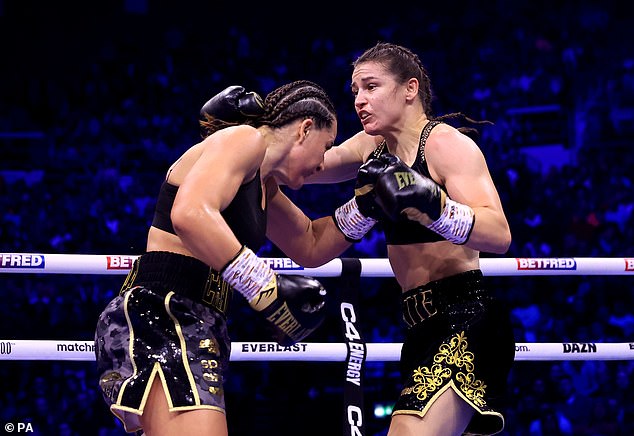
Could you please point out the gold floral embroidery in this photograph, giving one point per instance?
(428, 380)
(452, 356)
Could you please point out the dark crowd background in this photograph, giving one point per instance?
(97, 99)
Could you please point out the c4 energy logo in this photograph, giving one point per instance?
(356, 347)
(563, 263)
(21, 261)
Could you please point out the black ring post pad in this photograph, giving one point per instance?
(353, 424)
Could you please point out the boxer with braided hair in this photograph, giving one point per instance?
(162, 344)
(428, 185)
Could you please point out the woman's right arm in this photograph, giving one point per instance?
(201, 197)
(342, 161)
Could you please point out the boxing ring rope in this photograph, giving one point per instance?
(36, 263)
(121, 264)
(82, 350)
(355, 351)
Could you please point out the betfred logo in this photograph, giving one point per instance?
(22, 261)
(565, 263)
(120, 262)
(629, 264)
(282, 263)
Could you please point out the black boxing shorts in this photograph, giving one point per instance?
(167, 322)
(459, 337)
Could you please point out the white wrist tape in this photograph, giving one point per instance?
(352, 223)
(455, 222)
(248, 274)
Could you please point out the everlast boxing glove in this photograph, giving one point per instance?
(293, 305)
(233, 104)
(401, 190)
(364, 193)
(357, 216)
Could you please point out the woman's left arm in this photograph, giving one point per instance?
(456, 161)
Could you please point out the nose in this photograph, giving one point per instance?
(359, 100)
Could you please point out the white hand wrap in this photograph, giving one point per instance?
(352, 223)
(455, 222)
(248, 274)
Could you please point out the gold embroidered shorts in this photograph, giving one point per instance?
(463, 340)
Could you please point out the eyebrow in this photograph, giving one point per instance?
(363, 80)
(367, 78)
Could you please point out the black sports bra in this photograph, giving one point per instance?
(244, 215)
(405, 231)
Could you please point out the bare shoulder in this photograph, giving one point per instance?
(447, 140)
(247, 136)
(237, 140)
(448, 151)
(240, 148)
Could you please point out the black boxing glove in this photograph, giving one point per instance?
(297, 311)
(402, 191)
(233, 104)
(367, 176)
(293, 305)
(357, 216)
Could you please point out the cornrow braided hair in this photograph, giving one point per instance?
(404, 64)
(298, 100)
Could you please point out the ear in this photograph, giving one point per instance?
(412, 89)
(304, 128)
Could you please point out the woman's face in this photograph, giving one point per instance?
(379, 99)
(307, 156)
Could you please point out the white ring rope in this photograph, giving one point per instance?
(11, 349)
(36, 263)
(120, 264)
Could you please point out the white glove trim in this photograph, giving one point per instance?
(352, 223)
(248, 274)
(455, 222)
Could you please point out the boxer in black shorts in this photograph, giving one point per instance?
(169, 322)
(162, 345)
(460, 338)
(428, 185)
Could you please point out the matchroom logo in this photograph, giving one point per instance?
(76, 347)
